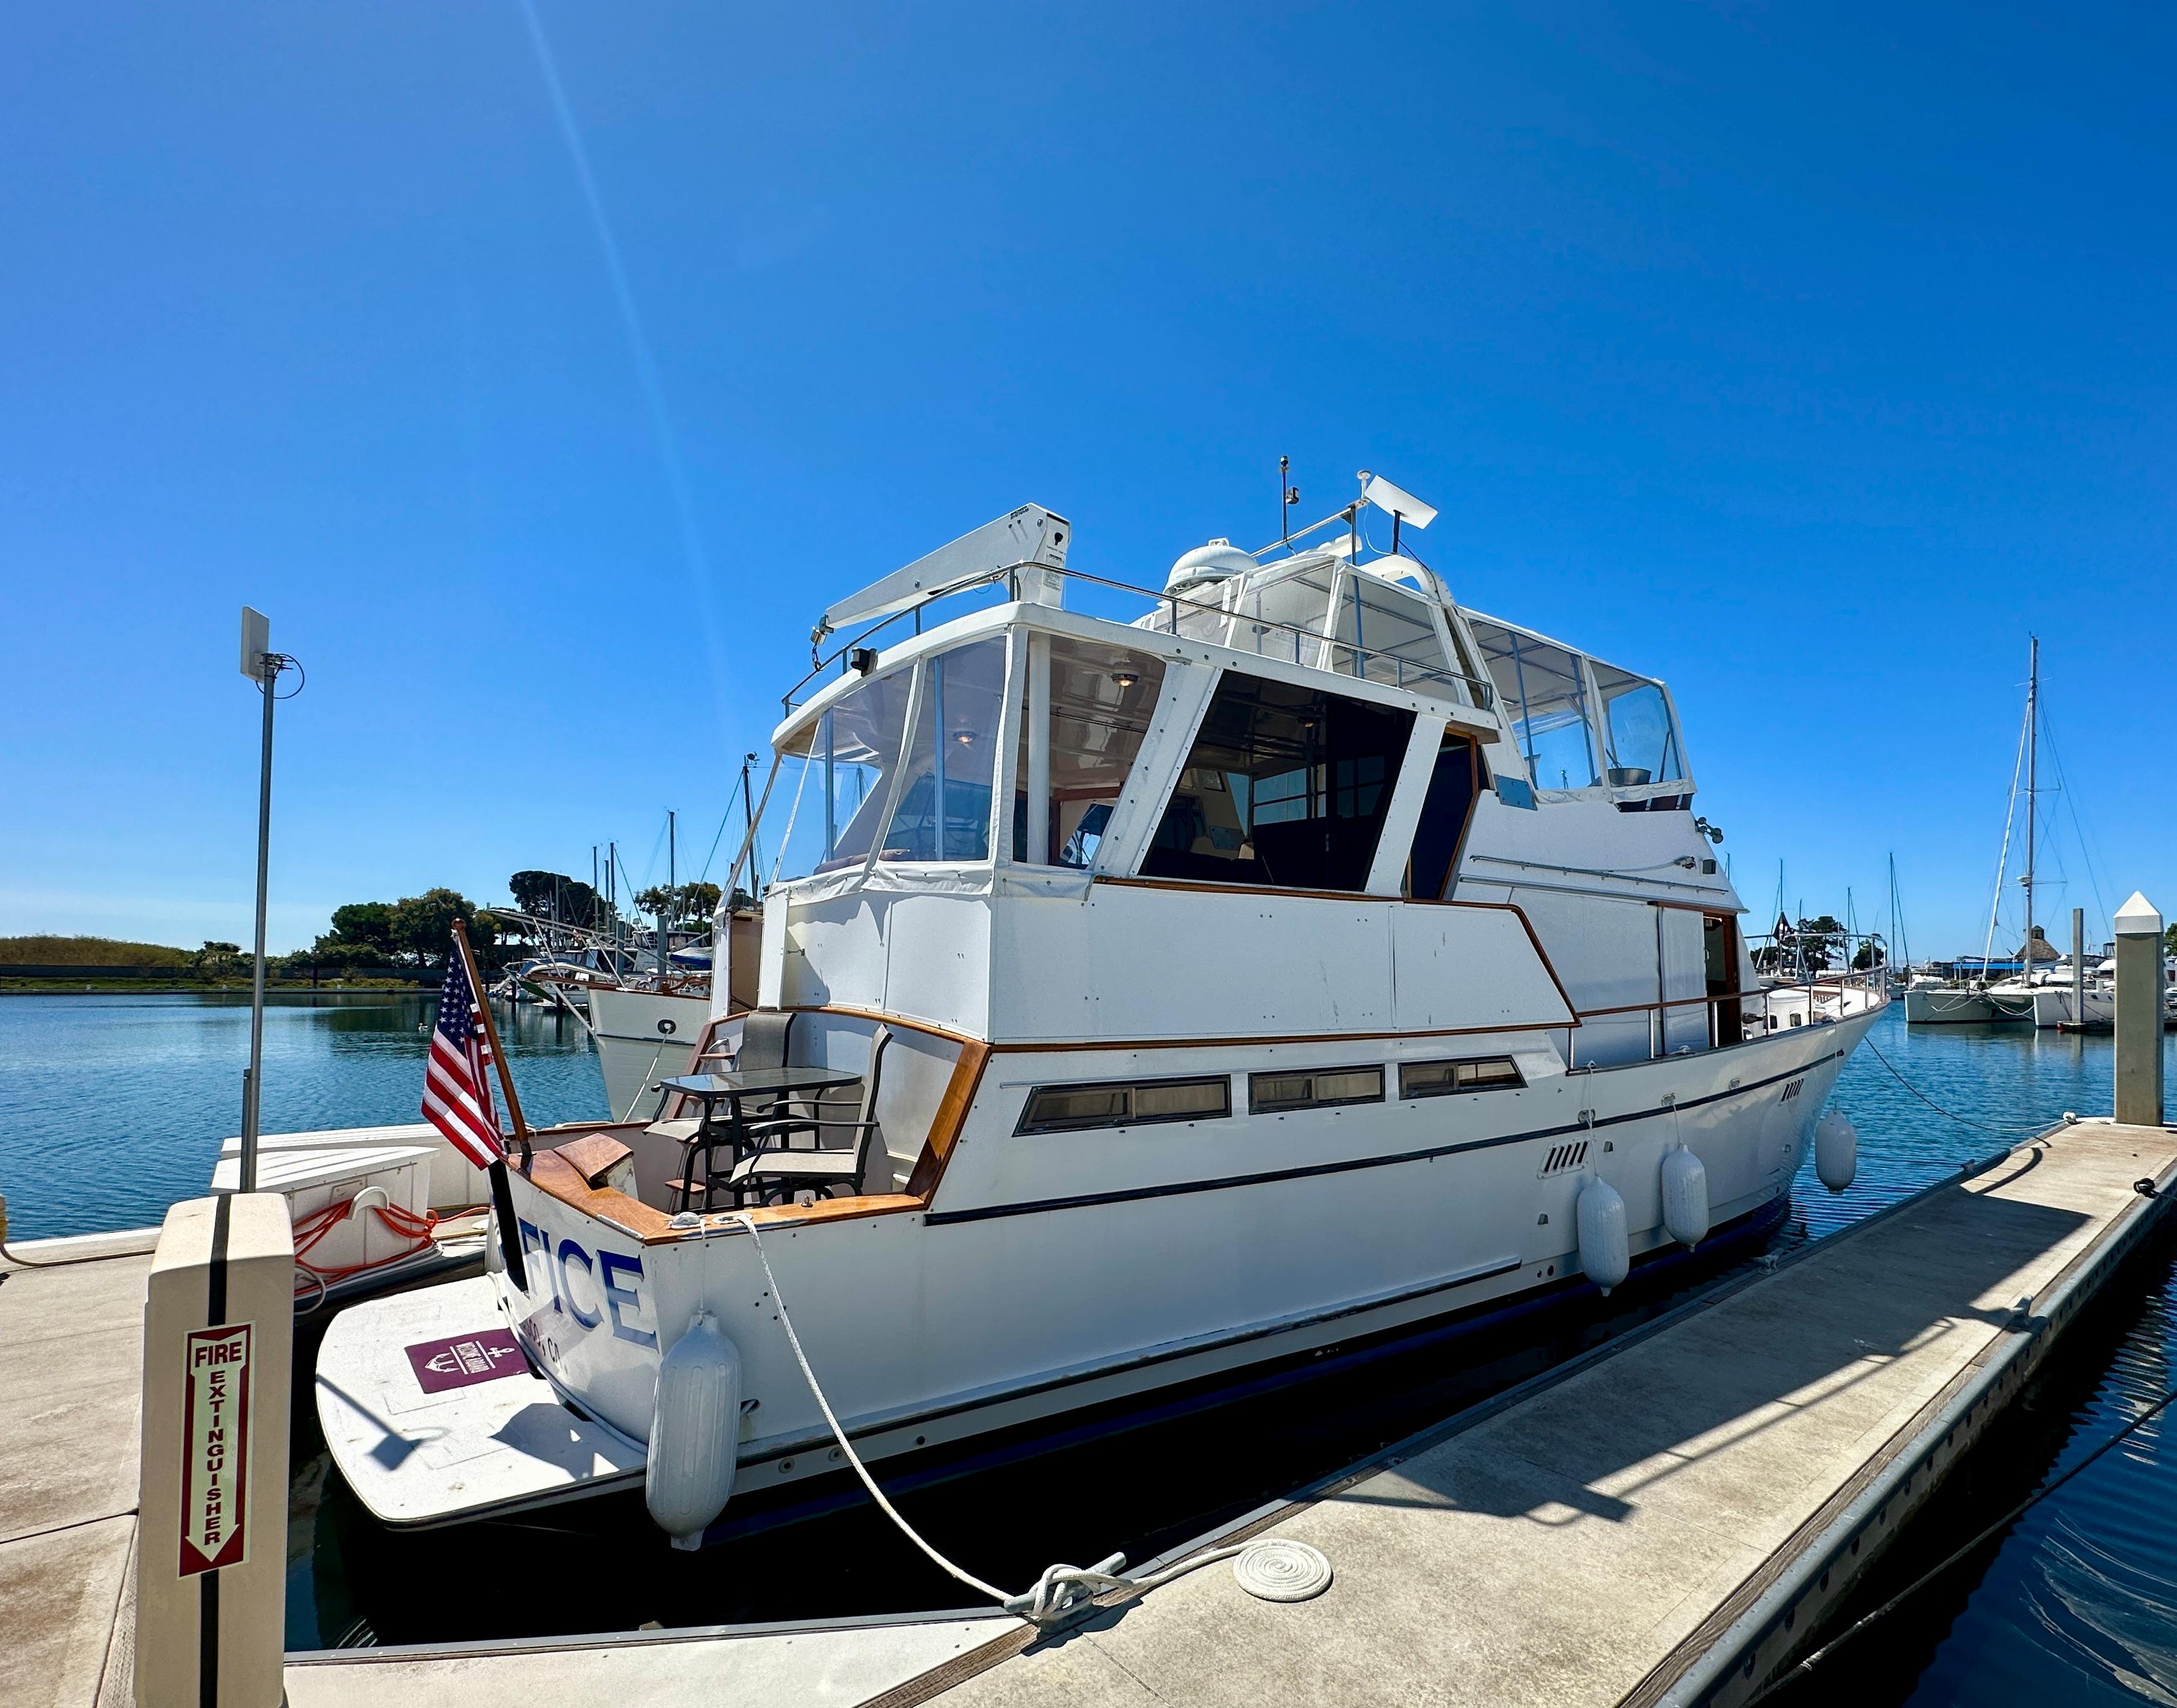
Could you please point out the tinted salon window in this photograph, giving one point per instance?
(1284, 786)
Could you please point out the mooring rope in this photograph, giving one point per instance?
(1933, 1572)
(1062, 1588)
(1949, 1114)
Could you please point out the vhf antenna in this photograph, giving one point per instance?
(1288, 496)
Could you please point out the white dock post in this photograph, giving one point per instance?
(2139, 1012)
(211, 1546)
(2079, 967)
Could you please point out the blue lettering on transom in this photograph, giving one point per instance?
(571, 1252)
(611, 1264)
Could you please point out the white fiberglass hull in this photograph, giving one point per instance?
(642, 1037)
(2053, 1006)
(1952, 1005)
(1004, 1304)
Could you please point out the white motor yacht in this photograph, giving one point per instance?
(1308, 960)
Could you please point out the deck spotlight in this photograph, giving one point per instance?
(863, 660)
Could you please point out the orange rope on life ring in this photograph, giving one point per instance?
(311, 1229)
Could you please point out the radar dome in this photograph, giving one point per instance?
(1217, 561)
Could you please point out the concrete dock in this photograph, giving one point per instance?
(72, 1342)
(1663, 1521)
(1666, 1521)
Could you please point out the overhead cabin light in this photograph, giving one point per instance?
(1125, 679)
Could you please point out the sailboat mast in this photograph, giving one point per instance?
(2033, 766)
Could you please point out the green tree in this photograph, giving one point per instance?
(1820, 939)
(686, 906)
(361, 926)
(423, 926)
(553, 896)
(220, 961)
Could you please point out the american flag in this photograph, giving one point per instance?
(456, 1079)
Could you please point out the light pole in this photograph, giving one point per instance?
(262, 666)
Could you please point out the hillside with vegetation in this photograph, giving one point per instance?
(93, 952)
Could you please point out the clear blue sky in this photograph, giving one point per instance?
(1807, 358)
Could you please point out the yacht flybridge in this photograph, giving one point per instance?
(1303, 960)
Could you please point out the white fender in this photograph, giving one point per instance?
(1685, 1197)
(1837, 1150)
(1605, 1252)
(694, 1432)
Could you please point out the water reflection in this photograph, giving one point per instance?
(112, 1105)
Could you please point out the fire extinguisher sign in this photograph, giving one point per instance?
(215, 1448)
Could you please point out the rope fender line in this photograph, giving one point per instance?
(1063, 1590)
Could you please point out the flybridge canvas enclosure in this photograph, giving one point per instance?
(1031, 535)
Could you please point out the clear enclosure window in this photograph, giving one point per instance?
(1389, 636)
(1639, 739)
(1282, 618)
(1101, 699)
(852, 752)
(944, 810)
(1284, 785)
(1546, 699)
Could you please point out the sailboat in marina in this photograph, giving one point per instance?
(1972, 999)
(1180, 983)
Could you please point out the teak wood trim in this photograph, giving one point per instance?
(554, 1176)
(945, 1125)
(898, 1023)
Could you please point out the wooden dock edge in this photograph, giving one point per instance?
(1768, 1622)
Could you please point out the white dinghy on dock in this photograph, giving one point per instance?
(1308, 961)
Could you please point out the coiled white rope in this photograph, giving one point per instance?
(1294, 1570)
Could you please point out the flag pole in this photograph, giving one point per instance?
(502, 1190)
(491, 1034)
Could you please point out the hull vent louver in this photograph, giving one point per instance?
(1568, 1155)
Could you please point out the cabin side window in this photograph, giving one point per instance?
(1101, 698)
(944, 809)
(1455, 780)
(1128, 1102)
(1640, 743)
(1445, 1078)
(1284, 786)
(1314, 1087)
(1544, 694)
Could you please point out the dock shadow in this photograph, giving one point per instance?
(1803, 1345)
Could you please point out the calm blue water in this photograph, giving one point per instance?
(112, 1107)
(2076, 1604)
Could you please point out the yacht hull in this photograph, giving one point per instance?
(1962, 1007)
(1002, 1305)
(642, 1036)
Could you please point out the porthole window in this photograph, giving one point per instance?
(1318, 1088)
(1443, 1078)
(1128, 1102)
